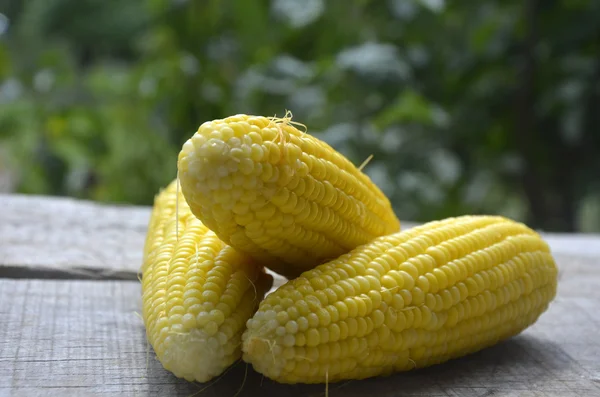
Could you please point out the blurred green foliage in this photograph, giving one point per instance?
(468, 107)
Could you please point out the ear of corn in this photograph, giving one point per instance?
(197, 292)
(407, 300)
(278, 194)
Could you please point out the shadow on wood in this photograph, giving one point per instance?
(85, 338)
(518, 364)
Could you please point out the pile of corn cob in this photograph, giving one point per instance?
(363, 300)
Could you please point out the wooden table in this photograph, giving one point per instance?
(70, 323)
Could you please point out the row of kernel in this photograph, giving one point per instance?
(469, 269)
(504, 311)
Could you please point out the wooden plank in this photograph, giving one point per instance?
(62, 238)
(60, 338)
(51, 237)
(67, 238)
(587, 245)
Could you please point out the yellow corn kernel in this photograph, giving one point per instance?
(280, 195)
(403, 301)
(197, 292)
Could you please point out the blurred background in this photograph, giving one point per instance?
(468, 107)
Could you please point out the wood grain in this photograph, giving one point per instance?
(69, 238)
(63, 238)
(63, 337)
(83, 337)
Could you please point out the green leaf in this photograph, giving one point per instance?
(409, 107)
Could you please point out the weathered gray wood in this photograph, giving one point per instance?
(62, 238)
(51, 237)
(61, 338)
(70, 238)
(587, 245)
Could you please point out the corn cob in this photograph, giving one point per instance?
(278, 194)
(197, 292)
(408, 300)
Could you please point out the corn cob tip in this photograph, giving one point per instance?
(235, 146)
(257, 346)
(195, 356)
